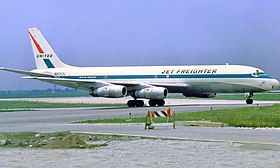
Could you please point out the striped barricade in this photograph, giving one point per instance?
(170, 121)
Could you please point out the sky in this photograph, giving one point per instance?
(140, 32)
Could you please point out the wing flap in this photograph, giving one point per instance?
(134, 85)
(173, 87)
(182, 85)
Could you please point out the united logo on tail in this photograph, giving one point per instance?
(44, 55)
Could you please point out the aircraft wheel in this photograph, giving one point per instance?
(160, 102)
(152, 102)
(139, 103)
(131, 103)
(249, 101)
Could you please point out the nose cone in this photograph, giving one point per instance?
(275, 84)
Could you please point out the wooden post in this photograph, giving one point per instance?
(147, 116)
(174, 120)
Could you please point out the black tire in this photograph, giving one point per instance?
(139, 103)
(131, 103)
(152, 102)
(160, 102)
(249, 101)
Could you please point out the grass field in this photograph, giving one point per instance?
(257, 96)
(237, 96)
(43, 93)
(259, 116)
(6, 106)
(77, 93)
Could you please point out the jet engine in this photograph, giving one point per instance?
(157, 93)
(114, 91)
(202, 95)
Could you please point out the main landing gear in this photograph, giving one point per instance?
(154, 102)
(135, 103)
(140, 103)
(249, 100)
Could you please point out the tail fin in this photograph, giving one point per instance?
(44, 55)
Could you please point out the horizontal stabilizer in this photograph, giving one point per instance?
(25, 72)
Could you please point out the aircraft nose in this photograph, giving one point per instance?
(275, 84)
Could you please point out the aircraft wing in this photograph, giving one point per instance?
(179, 85)
(173, 87)
(84, 84)
(29, 73)
(134, 85)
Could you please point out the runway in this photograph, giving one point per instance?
(70, 115)
(51, 120)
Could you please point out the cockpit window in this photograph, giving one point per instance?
(258, 73)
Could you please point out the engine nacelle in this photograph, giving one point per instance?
(114, 91)
(206, 95)
(151, 93)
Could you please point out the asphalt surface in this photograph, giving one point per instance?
(51, 120)
(70, 115)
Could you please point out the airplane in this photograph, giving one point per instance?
(145, 82)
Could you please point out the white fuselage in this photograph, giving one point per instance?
(198, 79)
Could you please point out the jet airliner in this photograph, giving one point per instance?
(145, 82)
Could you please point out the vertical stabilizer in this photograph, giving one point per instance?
(44, 55)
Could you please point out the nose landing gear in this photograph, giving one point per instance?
(249, 101)
(249, 95)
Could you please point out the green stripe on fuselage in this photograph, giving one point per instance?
(166, 76)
